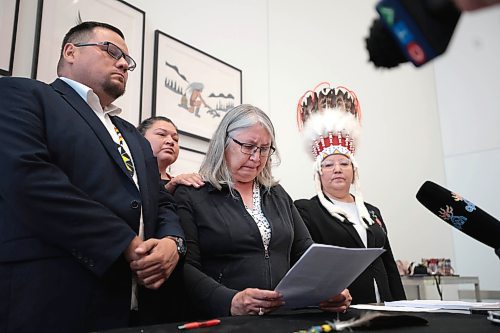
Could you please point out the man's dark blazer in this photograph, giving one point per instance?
(68, 210)
(326, 229)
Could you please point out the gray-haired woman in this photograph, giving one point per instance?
(242, 230)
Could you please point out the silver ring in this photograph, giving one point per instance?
(261, 312)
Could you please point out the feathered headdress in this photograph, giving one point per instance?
(330, 119)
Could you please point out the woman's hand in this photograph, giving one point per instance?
(339, 303)
(189, 179)
(252, 301)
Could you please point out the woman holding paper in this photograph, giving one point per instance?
(242, 230)
(330, 118)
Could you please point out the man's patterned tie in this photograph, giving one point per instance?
(125, 156)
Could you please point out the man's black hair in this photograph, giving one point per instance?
(82, 30)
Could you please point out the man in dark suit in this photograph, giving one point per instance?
(83, 219)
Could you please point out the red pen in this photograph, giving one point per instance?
(198, 324)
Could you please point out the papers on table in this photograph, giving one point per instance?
(430, 306)
(445, 306)
(323, 271)
(390, 308)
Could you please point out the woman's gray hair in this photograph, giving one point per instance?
(214, 168)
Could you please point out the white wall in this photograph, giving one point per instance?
(467, 81)
(285, 47)
(324, 41)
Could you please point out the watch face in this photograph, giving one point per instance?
(181, 247)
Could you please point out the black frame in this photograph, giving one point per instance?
(12, 47)
(161, 36)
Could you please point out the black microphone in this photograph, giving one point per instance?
(461, 214)
(411, 30)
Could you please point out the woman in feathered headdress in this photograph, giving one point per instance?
(330, 119)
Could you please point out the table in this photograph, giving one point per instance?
(293, 321)
(421, 281)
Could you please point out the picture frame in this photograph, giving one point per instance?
(9, 14)
(191, 87)
(56, 17)
(189, 161)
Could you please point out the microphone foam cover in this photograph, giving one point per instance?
(460, 213)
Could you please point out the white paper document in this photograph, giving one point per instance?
(442, 306)
(323, 271)
(378, 307)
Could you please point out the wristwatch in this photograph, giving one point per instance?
(181, 246)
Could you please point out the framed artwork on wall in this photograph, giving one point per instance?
(56, 17)
(9, 12)
(191, 87)
(189, 161)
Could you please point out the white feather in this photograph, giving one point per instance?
(330, 121)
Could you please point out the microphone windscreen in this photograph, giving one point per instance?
(411, 30)
(460, 213)
(382, 47)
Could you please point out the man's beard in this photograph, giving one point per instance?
(114, 90)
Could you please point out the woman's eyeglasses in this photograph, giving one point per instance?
(330, 165)
(250, 149)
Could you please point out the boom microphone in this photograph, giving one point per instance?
(461, 214)
(411, 30)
